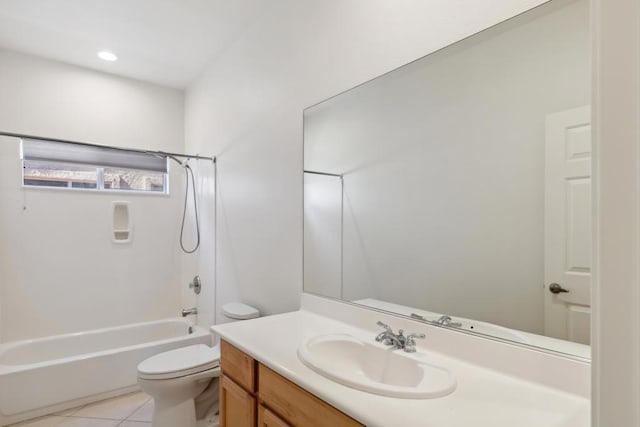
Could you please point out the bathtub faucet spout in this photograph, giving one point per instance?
(189, 311)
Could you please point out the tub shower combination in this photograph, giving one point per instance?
(45, 375)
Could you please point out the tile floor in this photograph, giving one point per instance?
(129, 410)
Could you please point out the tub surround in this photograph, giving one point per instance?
(80, 272)
(498, 384)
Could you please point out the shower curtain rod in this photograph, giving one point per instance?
(322, 173)
(160, 153)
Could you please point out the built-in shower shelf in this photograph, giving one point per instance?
(121, 230)
(121, 236)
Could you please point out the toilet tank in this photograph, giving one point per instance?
(239, 311)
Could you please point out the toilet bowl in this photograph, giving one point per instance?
(175, 378)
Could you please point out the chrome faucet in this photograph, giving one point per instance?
(383, 335)
(189, 311)
(447, 321)
(387, 337)
(399, 340)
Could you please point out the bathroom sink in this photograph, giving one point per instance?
(374, 368)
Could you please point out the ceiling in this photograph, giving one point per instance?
(167, 42)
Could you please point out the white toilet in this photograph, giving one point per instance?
(176, 377)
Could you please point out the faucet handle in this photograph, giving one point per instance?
(412, 336)
(384, 325)
(384, 335)
(410, 343)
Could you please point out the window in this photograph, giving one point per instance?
(132, 179)
(69, 165)
(57, 174)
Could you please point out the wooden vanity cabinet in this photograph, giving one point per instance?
(253, 395)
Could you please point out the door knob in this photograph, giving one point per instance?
(555, 288)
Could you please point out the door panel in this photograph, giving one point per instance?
(579, 323)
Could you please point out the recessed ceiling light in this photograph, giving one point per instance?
(107, 56)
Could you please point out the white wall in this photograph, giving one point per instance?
(247, 108)
(444, 169)
(616, 294)
(48, 98)
(59, 270)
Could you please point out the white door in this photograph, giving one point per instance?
(568, 212)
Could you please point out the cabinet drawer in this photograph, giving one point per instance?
(238, 366)
(266, 418)
(295, 405)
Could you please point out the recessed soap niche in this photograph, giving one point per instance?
(122, 223)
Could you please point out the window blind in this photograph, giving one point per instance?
(35, 149)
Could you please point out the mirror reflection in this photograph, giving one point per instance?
(457, 190)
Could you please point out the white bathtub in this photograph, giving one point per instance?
(49, 374)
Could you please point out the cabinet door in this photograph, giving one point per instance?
(238, 366)
(237, 407)
(266, 418)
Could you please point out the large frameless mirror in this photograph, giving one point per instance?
(456, 189)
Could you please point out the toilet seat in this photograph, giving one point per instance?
(180, 362)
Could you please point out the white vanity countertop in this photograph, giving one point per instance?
(483, 397)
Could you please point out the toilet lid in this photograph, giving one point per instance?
(180, 362)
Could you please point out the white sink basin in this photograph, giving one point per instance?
(374, 368)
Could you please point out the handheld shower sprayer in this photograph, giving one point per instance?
(188, 172)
